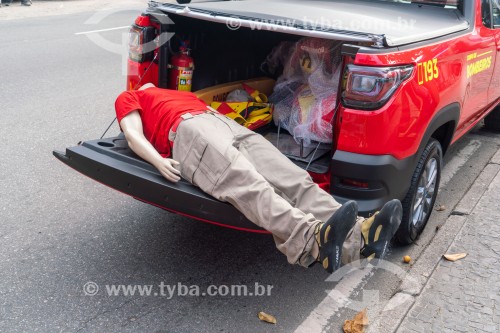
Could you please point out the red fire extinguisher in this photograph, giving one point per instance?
(181, 69)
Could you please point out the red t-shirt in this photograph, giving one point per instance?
(159, 109)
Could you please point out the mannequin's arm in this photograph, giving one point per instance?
(131, 125)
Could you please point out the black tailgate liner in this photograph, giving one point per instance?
(110, 162)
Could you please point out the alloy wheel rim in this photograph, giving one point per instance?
(422, 204)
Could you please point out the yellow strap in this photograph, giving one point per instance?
(267, 117)
(236, 117)
(259, 97)
(262, 114)
(258, 112)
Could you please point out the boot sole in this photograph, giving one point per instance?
(378, 249)
(334, 233)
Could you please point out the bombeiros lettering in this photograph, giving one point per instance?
(478, 66)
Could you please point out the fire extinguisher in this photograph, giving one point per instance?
(181, 69)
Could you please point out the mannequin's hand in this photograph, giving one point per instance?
(167, 170)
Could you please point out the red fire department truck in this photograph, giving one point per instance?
(416, 76)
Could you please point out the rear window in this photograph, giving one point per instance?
(496, 14)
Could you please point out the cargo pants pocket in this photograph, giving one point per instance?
(204, 165)
(192, 159)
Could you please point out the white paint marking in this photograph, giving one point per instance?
(335, 300)
(458, 161)
(102, 30)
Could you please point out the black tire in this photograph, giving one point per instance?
(419, 201)
(492, 121)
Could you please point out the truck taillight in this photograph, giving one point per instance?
(369, 88)
(141, 43)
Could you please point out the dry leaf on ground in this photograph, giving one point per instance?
(454, 257)
(440, 208)
(267, 318)
(358, 324)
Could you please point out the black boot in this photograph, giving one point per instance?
(378, 230)
(332, 234)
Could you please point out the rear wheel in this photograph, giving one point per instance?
(420, 199)
(492, 121)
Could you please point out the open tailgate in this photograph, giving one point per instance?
(110, 162)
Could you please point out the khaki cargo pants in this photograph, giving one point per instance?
(236, 165)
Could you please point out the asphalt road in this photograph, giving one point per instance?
(59, 230)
